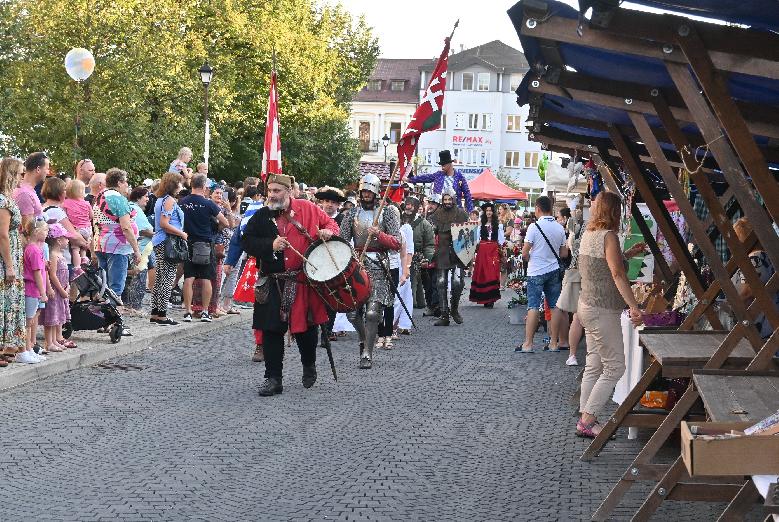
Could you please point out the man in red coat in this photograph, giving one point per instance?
(271, 235)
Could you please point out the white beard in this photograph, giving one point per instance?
(281, 205)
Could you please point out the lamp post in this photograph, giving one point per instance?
(206, 72)
(385, 141)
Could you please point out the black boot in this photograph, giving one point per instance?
(443, 321)
(430, 312)
(309, 376)
(456, 313)
(271, 386)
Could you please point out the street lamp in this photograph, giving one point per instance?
(385, 141)
(206, 72)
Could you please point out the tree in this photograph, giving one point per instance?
(144, 100)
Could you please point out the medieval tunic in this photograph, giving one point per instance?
(307, 309)
(485, 286)
(442, 220)
(354, 226)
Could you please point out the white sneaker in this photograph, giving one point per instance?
(572, 361)
(28, 357)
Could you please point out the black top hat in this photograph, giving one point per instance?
(444, 157)
(330, 194)
(488, 204)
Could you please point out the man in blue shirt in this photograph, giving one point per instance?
(447, 178)
(200, 216)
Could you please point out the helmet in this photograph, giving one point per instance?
(372, 183)
(448, 191)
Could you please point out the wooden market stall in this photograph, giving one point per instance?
(667, 107)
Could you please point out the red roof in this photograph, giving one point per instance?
(486, 186)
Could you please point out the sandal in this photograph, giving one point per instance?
(585, 430)
(521, 349)
(234, 311)
(67, 343)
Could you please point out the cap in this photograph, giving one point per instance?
(279, 179)
(148, 182)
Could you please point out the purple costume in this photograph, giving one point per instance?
(459, 183)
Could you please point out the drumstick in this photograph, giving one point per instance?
(330, 253)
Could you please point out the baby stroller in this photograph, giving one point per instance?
(95, 307)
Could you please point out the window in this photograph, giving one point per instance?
(473, 121)
(394, 132)
(484, 158)
(484, 81)
(467, 81)
(512, 158)
(516, 79)
(459, 120)
(531, 160)
(514, 123)
(486, 122)
(457, 154)
(427, 156)
(374, 85)
(398, 85)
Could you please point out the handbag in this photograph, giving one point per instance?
(262, 290)
(176, 250)
(201, 253)
(560, 266)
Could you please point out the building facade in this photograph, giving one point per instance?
(482, 124)
(385, 106)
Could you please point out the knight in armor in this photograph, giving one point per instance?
(448, 267)
(358, 224)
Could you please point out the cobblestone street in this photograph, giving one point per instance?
(450, 425)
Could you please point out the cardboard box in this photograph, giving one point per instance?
(746, 455)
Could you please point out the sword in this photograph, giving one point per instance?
(332, 362)
(395, 291)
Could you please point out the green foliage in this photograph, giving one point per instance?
(145, 99)
(503, 175)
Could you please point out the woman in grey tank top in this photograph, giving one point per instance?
(605, 291)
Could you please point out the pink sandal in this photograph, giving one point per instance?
(585, 430)
(67, 344)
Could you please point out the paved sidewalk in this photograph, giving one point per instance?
(450, 425)
(94, 348)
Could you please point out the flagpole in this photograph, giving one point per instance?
(395, 170)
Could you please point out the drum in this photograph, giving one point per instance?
(336, 275)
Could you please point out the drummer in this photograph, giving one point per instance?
(277, 236)
(330, 200)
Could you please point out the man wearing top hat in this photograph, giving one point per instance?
(447, 179)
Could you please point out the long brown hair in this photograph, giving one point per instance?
(607, 212)
(169, 184)
(9, 175)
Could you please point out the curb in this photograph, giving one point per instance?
(95, 350)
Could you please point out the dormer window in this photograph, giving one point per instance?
(398, 85)
(374, 85)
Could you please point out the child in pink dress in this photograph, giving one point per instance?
(35, 286)
(57, 311)
(79, 213)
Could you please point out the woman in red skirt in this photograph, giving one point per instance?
(485, 286)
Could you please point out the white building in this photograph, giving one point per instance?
(385, 106)
(482, 124)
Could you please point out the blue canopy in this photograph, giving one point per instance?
(760, 14)
(611, 66)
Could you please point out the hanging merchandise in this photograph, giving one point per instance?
(594, 180)
(576, 173)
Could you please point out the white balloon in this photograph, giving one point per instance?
(79, 64)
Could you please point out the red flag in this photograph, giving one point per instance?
(271, 157)
(427, 116)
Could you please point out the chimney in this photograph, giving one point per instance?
(462, 47)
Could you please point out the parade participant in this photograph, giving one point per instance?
(431, 293)
(330, 199)
(447, 265)
(275, 235)
(447, 179)
(424, 247)
(358, 224)
(485, 286)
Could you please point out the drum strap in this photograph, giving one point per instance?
(297, 225)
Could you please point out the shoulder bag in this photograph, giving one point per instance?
(560, 266)
(176, 249)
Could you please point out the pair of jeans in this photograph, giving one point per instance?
(115, 266)
(548, 283)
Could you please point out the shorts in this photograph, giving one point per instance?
(31, 306)
(549, 284)
(192, 270)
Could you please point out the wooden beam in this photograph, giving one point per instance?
(660, 213)
(738, 251)
(730, 166)
(702, 238)
(731, 120)
(565, 30)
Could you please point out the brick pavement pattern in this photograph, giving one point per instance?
(450, 425)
